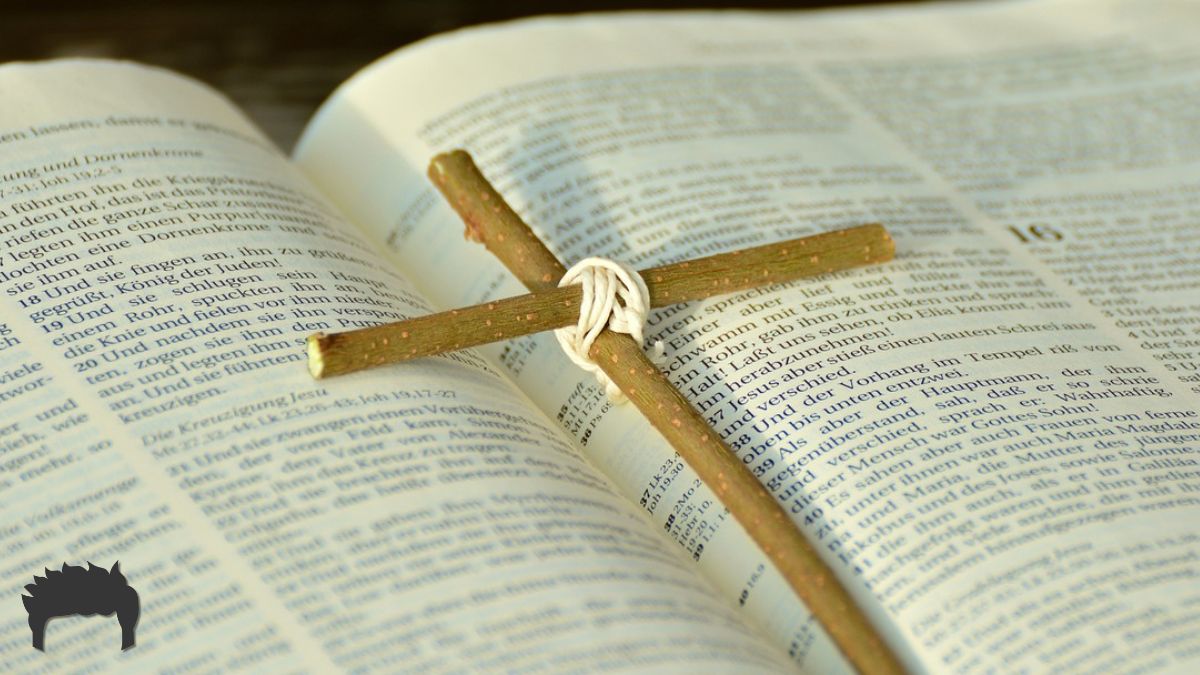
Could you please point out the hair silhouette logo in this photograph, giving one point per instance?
(74, 590)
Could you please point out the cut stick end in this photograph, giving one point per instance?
(316, 355)
(889, 244)
(443, 163)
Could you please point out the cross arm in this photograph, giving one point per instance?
(554, 307)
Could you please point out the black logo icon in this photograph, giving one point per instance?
(75, 590)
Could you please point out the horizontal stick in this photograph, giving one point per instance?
(340, 353)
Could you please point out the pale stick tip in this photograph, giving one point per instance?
(436, 166)
(889, 244)
(879, 235)
(316, 356)
(439, 161)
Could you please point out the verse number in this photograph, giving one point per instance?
(1035, 232)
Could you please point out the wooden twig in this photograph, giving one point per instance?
(340, 353)
(346, 352)
(490, 220)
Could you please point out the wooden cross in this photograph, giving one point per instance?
(491, 221)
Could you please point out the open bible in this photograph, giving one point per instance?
(993, 439)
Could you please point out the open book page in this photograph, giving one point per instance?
(1002, 472)
(1084, 151)
(160, 267)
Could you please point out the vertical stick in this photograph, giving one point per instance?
(490, 220)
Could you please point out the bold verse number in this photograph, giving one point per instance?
(1035, 232)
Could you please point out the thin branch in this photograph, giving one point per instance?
(349, 351)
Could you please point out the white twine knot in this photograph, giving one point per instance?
(605, 282)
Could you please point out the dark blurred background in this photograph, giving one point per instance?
(277, 60)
